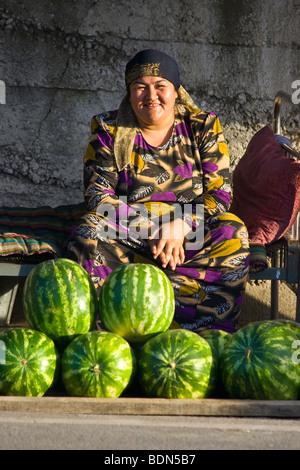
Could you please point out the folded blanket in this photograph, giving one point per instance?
(258, 257)
(37, 231)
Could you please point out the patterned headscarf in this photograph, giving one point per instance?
(146, 63)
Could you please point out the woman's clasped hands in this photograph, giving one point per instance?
(167, 242)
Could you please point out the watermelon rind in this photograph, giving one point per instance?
(136, 302)
(60, 300)
(97, 364)
(28, 362)
(176, 364)
(257, 363)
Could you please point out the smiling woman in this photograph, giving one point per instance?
(157, 190)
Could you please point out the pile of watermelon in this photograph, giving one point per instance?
(124, 343)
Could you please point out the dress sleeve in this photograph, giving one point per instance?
(100, 172)
(215, 166)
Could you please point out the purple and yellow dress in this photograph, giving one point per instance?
(128, 183)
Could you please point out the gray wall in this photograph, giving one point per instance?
(63, 61)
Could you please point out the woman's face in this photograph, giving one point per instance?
(153, 100)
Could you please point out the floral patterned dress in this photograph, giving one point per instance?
(189, 177)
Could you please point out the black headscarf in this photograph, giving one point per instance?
(148, 62)
(151, 62)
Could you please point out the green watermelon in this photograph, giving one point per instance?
(293, 325)
(97, 364)
(257, 363)
(176, 364)
(28, 362)
(60, 300)
(217, 340)
(136, 302)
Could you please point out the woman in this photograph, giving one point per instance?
(157, 189)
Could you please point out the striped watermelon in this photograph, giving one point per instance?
(28, 362)
(136, 302)
(60, 300)
(293, 325)
(257, 363)
(217, 340)
(176, 364)
(97, 364)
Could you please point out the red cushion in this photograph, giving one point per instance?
(266, 189)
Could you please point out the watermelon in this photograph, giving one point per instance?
(217, 340)
(176, 364)
(97, 364)
(28, 362)
(136, 302)
(256, 363)
(60, 300)
(293, 325)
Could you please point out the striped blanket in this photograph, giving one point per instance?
(32, 234)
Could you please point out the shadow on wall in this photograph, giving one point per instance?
(257, 303)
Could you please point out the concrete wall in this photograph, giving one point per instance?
(63, 61)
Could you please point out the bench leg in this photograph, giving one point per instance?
(274, 299)
(8, 292)
(275, 290)
(297, 319)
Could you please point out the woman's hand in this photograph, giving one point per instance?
(166, 242)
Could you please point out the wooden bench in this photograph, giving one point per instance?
(285, 262)
(51, 227)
